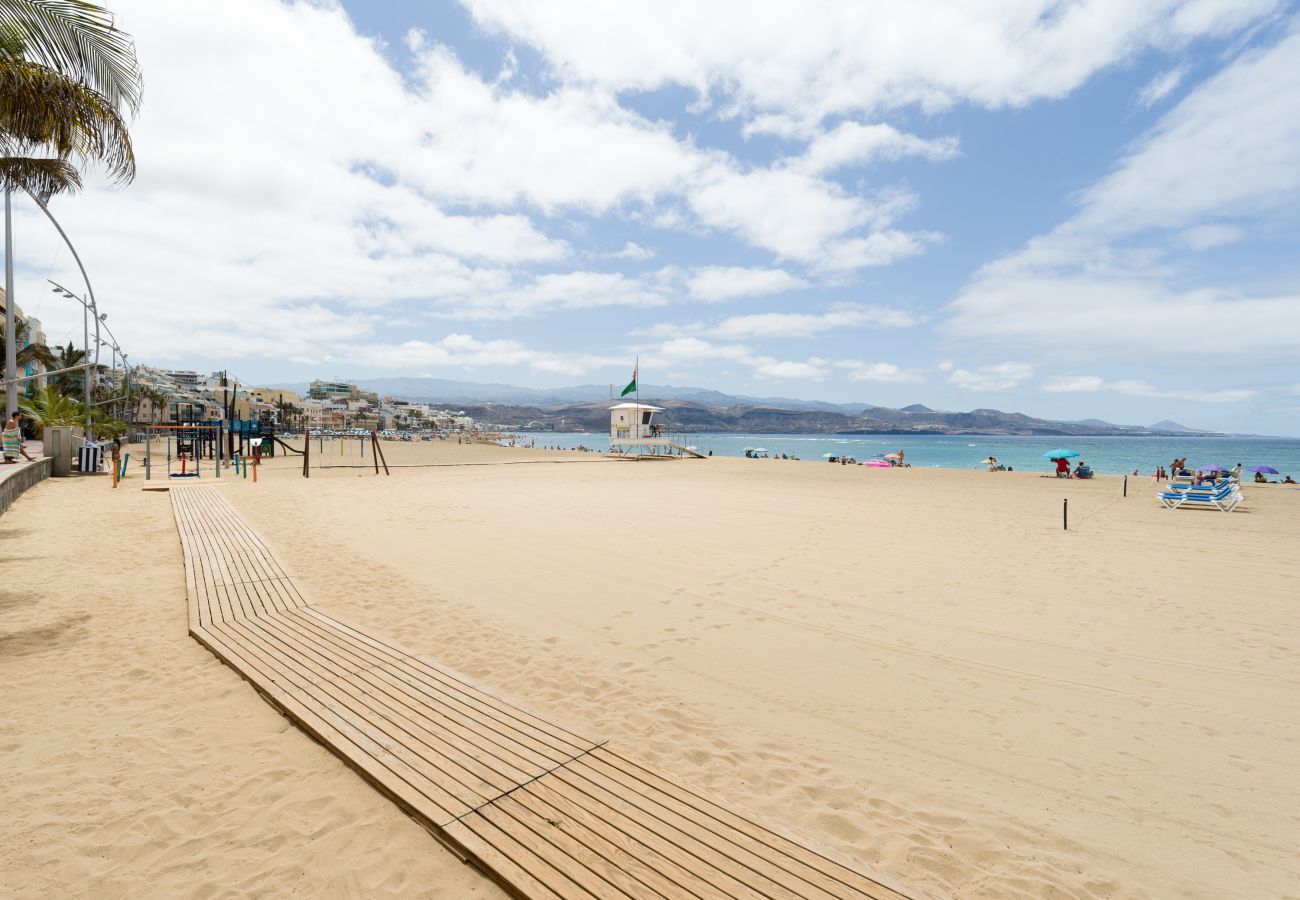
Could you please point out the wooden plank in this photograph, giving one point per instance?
(659, 873)
(426, 736)
(565, 741)
(494, 747)
(513, 875)
(683, 838)
(441, 776)
(337, 729)
(814, 867)
(354, 751)
(483, 840)
(558, 850)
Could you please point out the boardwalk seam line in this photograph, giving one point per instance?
(524, 784)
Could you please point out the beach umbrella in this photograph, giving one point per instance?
(892, 456)
(828, 456)
(760, 449)
(1060, 453)
(987, 462)
(1212, 469)
(1263, 470)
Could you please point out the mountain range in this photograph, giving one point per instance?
(692, 409)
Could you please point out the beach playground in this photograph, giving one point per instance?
(917, 673)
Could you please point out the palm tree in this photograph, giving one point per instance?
(67, 358)
(29, 354)
(65, 74)
(49, 407)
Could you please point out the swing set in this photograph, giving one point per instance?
(187, 444)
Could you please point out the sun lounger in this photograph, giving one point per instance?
(1224, 499)
(1213, 487)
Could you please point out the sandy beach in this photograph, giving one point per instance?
(915, 669)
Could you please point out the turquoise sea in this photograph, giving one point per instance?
(1106, 455)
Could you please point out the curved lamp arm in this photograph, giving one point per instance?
(90, 290)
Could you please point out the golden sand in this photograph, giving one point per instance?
(915, 668)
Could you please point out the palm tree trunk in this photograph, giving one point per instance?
(11, 330)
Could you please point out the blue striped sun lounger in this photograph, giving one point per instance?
(1223, 498)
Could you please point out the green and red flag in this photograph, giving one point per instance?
(631, 385)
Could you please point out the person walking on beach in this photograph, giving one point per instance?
(13, 439)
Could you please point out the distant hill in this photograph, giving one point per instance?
(584, 408)
(1174, 428)
(443, 390)
(685, 416)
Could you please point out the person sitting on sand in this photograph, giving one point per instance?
(1288, 480)
(1260, 479)
(13, 439)
(1062, 468)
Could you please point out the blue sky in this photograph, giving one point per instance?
(1067, 209)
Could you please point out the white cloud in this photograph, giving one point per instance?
(852, 143)
(1230, 145)
(632, 251)
(999, 377)
(465, 352)
(713, 283)
(511, 298)
(879, 371)
(1230, 149)
(805, 325)
(1070, 384)
(849, 58)
(789, 370)
(1206, 237)
(803, 218)
(1160, 87)
(693, 351)
(789, 325)
(1135, 388)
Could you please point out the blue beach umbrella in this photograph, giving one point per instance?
(1060, 453)
(1212, 469)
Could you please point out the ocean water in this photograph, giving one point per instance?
(1106, 455)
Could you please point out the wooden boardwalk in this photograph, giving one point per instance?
(542, 810)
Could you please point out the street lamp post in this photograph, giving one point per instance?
(88, 311)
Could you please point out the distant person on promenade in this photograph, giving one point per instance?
(13, 439)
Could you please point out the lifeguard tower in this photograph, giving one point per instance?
(633, 431)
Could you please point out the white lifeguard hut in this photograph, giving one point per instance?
(633, 430)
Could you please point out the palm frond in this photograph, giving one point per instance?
(79, 39)
(43, 177)
(40, 107)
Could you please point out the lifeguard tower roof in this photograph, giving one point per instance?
(638, 406)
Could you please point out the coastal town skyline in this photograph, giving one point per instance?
(1100, 225)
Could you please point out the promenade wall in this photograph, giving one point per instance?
(19, 478)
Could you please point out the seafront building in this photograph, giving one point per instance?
(29, 332)
(174, 396)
